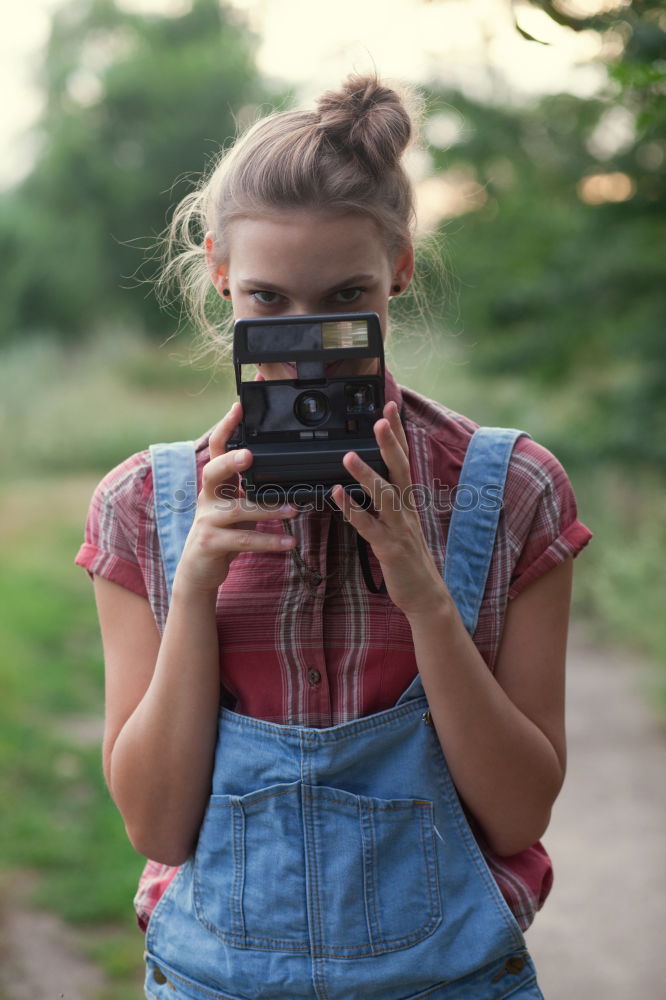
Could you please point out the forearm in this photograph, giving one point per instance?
(504, 767)
(161, 763)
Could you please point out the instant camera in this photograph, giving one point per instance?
(299, 428)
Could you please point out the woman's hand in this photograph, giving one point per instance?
(393, 528)
(224, 518)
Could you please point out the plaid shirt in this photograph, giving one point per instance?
(322, 649)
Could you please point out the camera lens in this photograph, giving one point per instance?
(311, 408)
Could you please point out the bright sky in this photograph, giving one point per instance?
(314, 44)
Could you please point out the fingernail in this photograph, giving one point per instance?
(287, 542)
(240, 456)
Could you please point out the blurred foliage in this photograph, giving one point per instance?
(558, 282)
(134, 103)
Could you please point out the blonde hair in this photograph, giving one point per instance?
(345, 155)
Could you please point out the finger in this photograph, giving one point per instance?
(247, 540)
(238, 510)
(392, 414)
(394, 455)
(358, 517)
(223, 431)
(384, 496)
(220, 475)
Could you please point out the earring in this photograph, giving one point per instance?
(226, 293)
(396, 289)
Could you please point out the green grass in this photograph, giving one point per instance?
(88, 409)
(66, 420)
(58, 820)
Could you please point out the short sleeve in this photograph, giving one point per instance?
(113, 525)
(541, 514)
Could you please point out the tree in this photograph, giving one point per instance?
(133, 104)
(561, 266)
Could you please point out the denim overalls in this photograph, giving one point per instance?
(337, 863)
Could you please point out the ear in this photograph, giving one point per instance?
(403, 268)
(217, 269)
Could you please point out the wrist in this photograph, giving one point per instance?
(186, 594)
(436, 606)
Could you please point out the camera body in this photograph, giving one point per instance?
(298, 429)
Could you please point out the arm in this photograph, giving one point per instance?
(161, 715)
(162, 695)
(502, 734)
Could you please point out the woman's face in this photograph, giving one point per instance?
(303, 262)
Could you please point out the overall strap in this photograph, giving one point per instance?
(175, 492)
(471, 540)
(478, 502)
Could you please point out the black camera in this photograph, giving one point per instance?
(299, 428)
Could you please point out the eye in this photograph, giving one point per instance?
(266, 298)
(348, 295)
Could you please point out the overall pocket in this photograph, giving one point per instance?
(311, 869)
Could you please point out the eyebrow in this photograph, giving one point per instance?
(268, 286)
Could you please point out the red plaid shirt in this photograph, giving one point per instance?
(321, 649)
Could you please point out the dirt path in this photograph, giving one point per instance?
(601, 934)
(41, 958)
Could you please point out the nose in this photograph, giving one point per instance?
(304, 308)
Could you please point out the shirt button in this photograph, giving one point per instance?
(159, 977)
(314, 677)
(315, 578)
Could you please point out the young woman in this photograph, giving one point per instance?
(341, 791)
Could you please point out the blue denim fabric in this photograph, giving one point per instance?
(338, 863)
(175, 495)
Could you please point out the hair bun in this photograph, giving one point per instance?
(367, 119)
